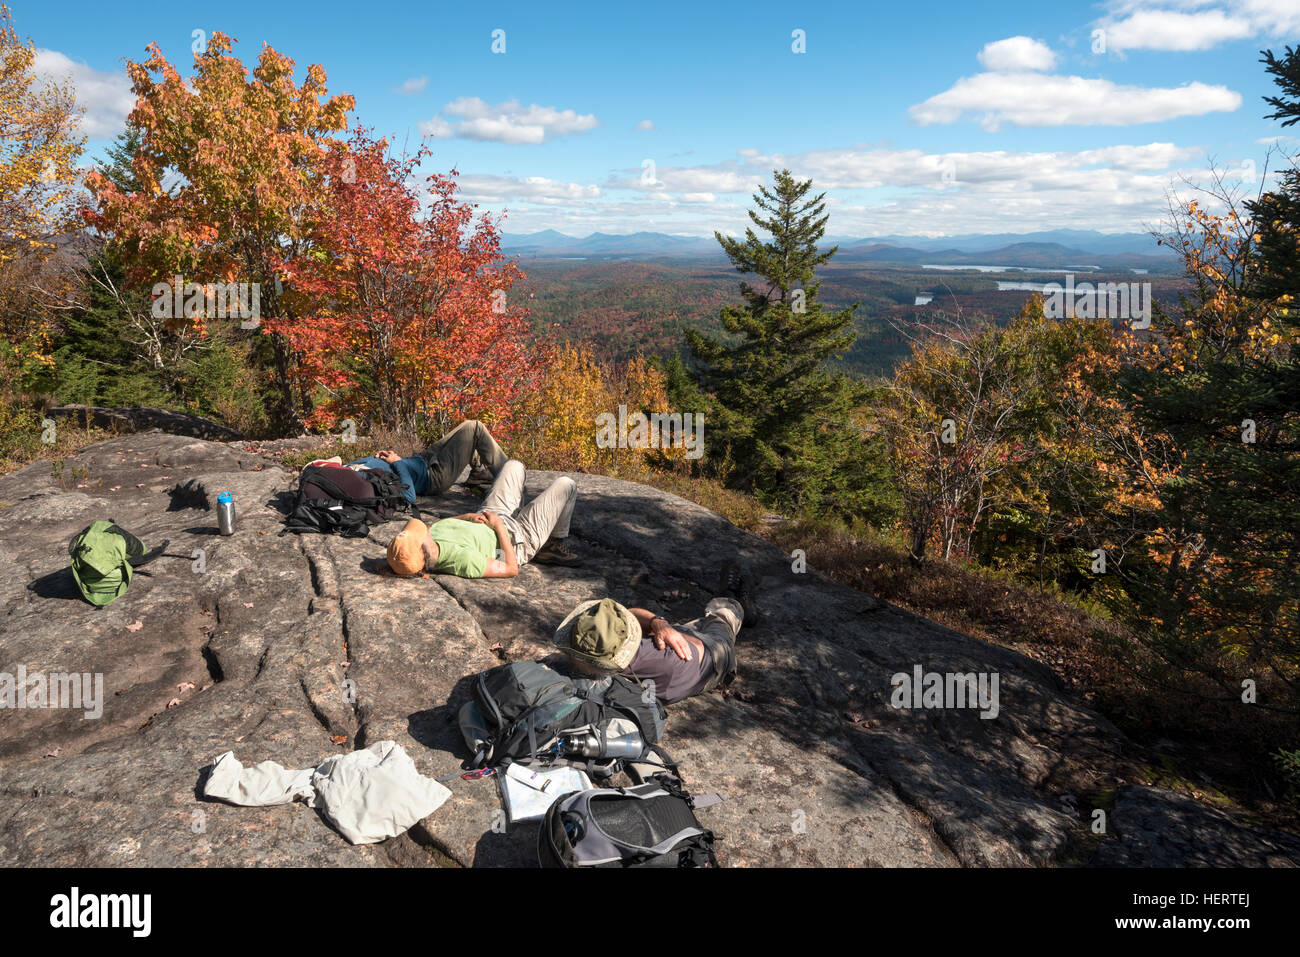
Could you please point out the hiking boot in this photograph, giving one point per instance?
(557, 553)
(480, 477)
(736, 581)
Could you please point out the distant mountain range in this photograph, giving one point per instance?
(1051, 249)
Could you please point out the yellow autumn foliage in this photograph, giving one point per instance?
(558, 421)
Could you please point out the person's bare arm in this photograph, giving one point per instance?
(496, 568)
(664, 634)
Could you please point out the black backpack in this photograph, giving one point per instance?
(650, 825)
(529, 713)
(331, 503)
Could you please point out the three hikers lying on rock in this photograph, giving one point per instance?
(497, 539)
(601, 636)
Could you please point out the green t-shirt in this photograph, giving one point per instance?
(463, 547)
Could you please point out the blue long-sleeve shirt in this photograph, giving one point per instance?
(414, 471)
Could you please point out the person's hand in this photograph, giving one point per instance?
(665, 635)
(388, 456)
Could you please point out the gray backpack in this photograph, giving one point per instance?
(527, 712)
(650, 825)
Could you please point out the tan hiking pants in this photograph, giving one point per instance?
(546, 516)
(717, 630)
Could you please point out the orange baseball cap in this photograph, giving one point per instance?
(406, 551)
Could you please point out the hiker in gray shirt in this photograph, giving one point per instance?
(601, 636)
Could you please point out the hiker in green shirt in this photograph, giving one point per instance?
(496, 540)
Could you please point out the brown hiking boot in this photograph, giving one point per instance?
(736, 581)
(557, 553)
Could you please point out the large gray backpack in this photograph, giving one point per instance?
(527, 712)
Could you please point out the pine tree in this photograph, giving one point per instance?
(781, 413)
(120, 166)
(1276, 215)
(95, 360)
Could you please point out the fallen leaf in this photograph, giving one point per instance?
(173, 703)
(136, 626)
(340, 739)
(248, 604)
(185, 686)
(54, 753)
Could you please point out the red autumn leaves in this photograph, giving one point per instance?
(405, 312)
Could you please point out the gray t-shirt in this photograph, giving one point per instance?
(673, 678)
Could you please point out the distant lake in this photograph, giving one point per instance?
(922, 300)
(1009, 268)
(1024, 286)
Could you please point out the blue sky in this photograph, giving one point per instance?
(919, 118)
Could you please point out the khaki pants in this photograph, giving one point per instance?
(546, 516)
(717, 631)
(451, 454)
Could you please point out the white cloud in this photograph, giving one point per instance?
(645, 125)
(1113, 188)
(717, 178)
(1017, 53)
(437, 127)
(508, 122)
(414, 85)
(106, 97)
(877, 191)
(1278, 18)
(1187, 25)
(1035, 99)
(488, 188)
(1174, 30)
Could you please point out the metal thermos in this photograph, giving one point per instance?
(225, 514)
(627, 745)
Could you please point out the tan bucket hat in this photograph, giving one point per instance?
(406, 552)
(602, 632)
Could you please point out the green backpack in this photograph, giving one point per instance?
(103, 558)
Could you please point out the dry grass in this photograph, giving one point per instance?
(22, 438)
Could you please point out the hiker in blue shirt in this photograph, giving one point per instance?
(437, 468)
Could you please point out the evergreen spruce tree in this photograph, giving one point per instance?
(775, 405)
(94, 362)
